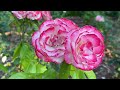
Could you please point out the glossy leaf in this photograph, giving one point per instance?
(27, 59)
(90, 74)
(77, 73)
(40, 68)
(17, 51)
(73, 73)
(28, 62)
(26, 51)
(50, 74)
(20, 75)
(82, 74)
(31, 68)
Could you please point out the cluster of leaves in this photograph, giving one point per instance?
(27, 66)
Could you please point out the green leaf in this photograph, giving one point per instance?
(64, 71)
(40, 68)
(17, 61)
(90, 74)
(38, 76)
(28, 63)
(25, 64)
(82, 74)
(35, 75)
(26, 52)
(49, 74)
(34, 68)
(3, 68)
(17, 51)
(31, 68)
(73, 73)
(77, 73)
(20, 75)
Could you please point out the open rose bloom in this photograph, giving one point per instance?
(49, 40)
(61, 39)
(84, 48)
(33, 15)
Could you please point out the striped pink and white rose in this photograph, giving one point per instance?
(49, 40)
(20, 14)
(33, 15)
(84, 48)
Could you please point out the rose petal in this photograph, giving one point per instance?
(35, 36)
(46, 15)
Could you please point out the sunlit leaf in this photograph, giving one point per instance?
(26, 51)
(17, 51)
(40, 68)
(28, 62)
(20, 75)
(90, 74)
(77, 73)
(49, 74)
(31, 68)
(82, 74)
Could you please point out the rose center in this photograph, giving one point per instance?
(56, 40)
(84, 48)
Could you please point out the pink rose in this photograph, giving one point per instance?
(19, 14)
(49, 40)
(34, 15)
(84, 48)
(46, 15)
(99, 18)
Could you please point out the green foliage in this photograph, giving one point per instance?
(17, 51)
(3, 68)
(55, 66)
(5, 19)
(64, 71)
(90, 74)
(20, 75)
(28, 63)
(80, 74)
(50, 74)
(77, 73)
